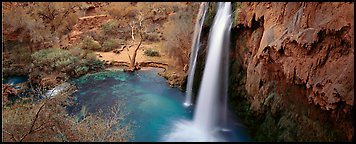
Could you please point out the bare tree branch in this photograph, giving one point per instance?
(132, 29)
(41, 127)
(33, 123)
(12, 135)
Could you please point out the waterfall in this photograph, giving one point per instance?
(211, 109)
(213, 90)
(193, 55)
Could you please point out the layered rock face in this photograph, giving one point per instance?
(297, 66)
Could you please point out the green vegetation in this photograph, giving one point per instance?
(110, 27)
(90, 44)
(210, 15)
(236, 6)
(73, 62)
(151, 52)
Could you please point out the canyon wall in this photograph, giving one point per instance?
(293, 64)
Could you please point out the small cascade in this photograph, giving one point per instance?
(193, 55)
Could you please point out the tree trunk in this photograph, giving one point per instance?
(133, 59)
(133, 66)
(132, 30)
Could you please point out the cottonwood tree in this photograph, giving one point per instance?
(139, 27)
(132, 16)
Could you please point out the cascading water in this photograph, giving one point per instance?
(210, 111)
(195, 47)
(213, 90)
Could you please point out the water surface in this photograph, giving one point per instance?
(152, 106)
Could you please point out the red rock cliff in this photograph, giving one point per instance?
(299, 64)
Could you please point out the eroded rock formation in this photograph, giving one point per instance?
(298, 61)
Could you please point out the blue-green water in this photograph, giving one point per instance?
(14, 80)
(152, 106)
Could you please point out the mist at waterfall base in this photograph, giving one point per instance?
(210, 122)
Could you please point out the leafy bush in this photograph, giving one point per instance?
(78, 52)
(90, 44)
(54, 58)
(111, 44)
(74, 62)
(110, 27)
(151, 52)
(80, 70)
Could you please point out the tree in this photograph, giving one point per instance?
(133, 65)
(48, 120)
(133, 16)
(42, 22)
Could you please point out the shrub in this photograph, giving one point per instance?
(110, 27)
(90, 44)
(74, 62)
(54, 58)
(54, 123)
(76, 51)
(151, 53)
(80, 70)
(111, 44)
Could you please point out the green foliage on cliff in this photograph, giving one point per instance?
(210, 15)
(236, 6)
